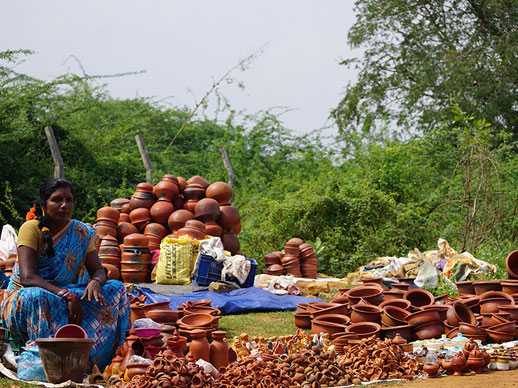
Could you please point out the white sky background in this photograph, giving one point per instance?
(185, 45)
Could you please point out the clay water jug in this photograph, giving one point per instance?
(219, 349)
(199, 346)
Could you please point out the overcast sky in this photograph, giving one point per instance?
(185, 45)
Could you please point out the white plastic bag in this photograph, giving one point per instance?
(8, 242)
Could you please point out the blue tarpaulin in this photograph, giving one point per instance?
(236, 301)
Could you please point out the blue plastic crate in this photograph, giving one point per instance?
(209, 270)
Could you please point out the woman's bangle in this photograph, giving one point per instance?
(65, 294)
(97, 280)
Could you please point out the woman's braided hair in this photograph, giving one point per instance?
(46, 190)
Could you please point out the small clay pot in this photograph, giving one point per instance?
(118, 202)
(458, 313)
(431, 369)
(302, 320)
(140, 215)
(124, 229)
(155, 229)
(401, 303)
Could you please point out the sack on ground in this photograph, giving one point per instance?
(176, 260)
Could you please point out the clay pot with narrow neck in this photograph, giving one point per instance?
(176, 344)
(199, 346)
(193, 192)
(178, 219)
(213, 229)
(166, 189)
(118, 202)
(229, 217)
(199, 181)
(155, 229)
(218, 349)
(108, 213)
(458, 363)
(124, 229)
(141, 200)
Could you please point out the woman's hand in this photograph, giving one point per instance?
(93, 291)
(75, 310)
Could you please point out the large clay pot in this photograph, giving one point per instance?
(429, 330)
(155, 229)
(124, 229)
(419, 297)
(218, 349)
(161, 211)
(213, 229)
(394, 316)
(178, 219)
(140, 215)
(166, 189)
(198, 180)
(207, 210)
(365, 313)
(135, 240)
(193, 192)
(459, 312)
(230, 242)
(108, 213)
(422, 317)
(220, 191)
(511, 264)
(229, 217)
(118, 202)
(364, 329)
(199, 346)
(371, 294)
(141, 200)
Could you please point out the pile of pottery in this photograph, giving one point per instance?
(471, 359)
(297, 259)
(372, 359)
(253, 372)
(135, 261)
(167, 371)
(414, 314)
(174, 207)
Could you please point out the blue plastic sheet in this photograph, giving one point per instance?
(236, 301)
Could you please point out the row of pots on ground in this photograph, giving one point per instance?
(414, 314)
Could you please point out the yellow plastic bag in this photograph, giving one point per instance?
(176, 260)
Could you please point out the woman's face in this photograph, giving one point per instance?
(60, 204)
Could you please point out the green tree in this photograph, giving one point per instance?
(420, 55)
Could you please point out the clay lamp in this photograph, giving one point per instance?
(419, 297)
(511, 264)
(459, 312)
(220, 191)
(108, 213)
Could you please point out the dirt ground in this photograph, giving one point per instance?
(492, 379)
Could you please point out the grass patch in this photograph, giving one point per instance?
(7, 383)
(268, 324)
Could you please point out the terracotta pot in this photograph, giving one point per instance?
(364, 329)
(419, 297)
(109, 213)
(431, 369)
(113, 260)
(213, 229)
(429, 330)
(338, 319)
(302, 320)
(491, 305)
(458, 363)
(124, 229)
(458, 313)
(135, 369)
(440, 308)
(207, 210)
(230, 242)
(193, 192)
(218, 350)
(403, 330)
(118, 202)
(194, 233)
(137, 311)
(485, 286)
(196, 320)
(442, 299)
(507, 327)
(499, 337)
(198, 180)
(163, 316)
(105, 230)
(370, 294)
(318, 326)
(220, 191)
(171, 178)
(465, 288)
(155, 229)
(199, 346)
(365, 313)
(229, 217)
(178, 219)
(145, 187)
(134, 266)
(512, 310)
(156, 306)
(498, 318)
(401, 303)
(423, 317)
(165, 189)
(468, 328)
(64, 359)
(144, 201)
(135, 257)
(394, 316)
(124, 218)
(71, 331)
(396, 294)
(176, 344)
(511, 264)
(125, 208)
(135, 240)
(161, 211)
(112, 272)
(202, 310)
(473, 304)
(401, 286)
(509, 286)
(179, 202)
(132, 276)
(139, 215)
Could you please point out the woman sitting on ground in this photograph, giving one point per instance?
(58, 279)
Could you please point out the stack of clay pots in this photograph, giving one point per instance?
(414, 314)
(165, 209)
(110, 256)
(297, 259)
(135, 259)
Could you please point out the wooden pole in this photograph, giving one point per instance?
(59, 167)
(228, 167)
(145, 157)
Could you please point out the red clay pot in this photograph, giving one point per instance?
(161, 211)
(155, 229)
(403, 330)
(207, 210)
(370, 294)
(166, 189)
(229, 217)
(394, 316)
(511, 264)
(108, 213)
(140, 215)
(419, 297)
(458, 313)
(364, 329)
(365, 313)
(230, 242)
(429, 330)
(218, 350)
(124, 229)
(465, 288)
(193, 192)
(178, 219)
(220, 191)
(401, 303)
(163, 316)
(485, 286)
(118, 202)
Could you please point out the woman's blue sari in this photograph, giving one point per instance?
(32, 312)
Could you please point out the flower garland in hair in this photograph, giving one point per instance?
(31, 214)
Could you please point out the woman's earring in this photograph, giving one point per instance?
(43, 212)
